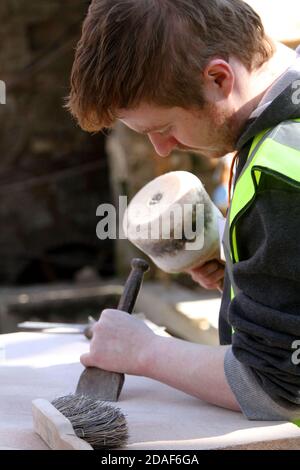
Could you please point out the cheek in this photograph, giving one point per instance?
(190, 136)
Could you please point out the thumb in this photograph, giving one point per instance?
(86, 360)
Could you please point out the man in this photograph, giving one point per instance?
(203, 76)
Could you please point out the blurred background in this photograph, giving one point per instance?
(53, 176)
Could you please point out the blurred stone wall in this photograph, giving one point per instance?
(52, 175)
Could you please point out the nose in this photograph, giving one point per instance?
(163, 145)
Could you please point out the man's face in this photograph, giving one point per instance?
(209, 131)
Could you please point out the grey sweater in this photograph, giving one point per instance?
(266, 313)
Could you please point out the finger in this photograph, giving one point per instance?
(214, 265)
(86, 360)
(214, 281)
(209, 275)
(207, 269)
(217, 276)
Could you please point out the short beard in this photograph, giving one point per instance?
(223, 129)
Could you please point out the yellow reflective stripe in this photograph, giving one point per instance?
(244, 184)
(245, 190)
(272, 155)
(232, 295)
(280, 158)
(256, 141)
(234, 245)
(257, 175)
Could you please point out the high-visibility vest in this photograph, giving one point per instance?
(274, 152)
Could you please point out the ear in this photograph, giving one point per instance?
(218, 80)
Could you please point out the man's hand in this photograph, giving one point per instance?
(210, 275)
(119, 343)
(122, 343)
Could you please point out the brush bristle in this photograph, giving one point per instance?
(101, 425)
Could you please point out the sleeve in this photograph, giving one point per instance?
(265, 314)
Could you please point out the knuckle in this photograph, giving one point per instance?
(211, 287)
(210, 284)
(208, 270)
(105, 314)
(205, 284)
(205, 267)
